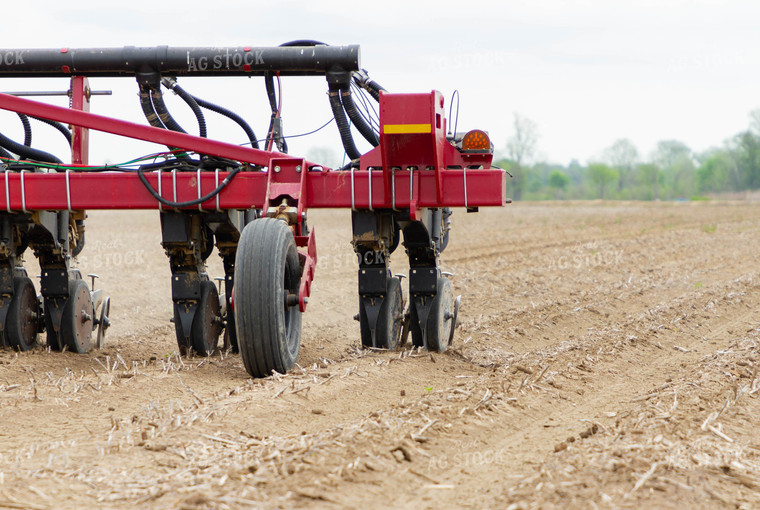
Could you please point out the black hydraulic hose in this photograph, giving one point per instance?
(60, 127)
(233, 116)
(363, 80)
(374, 89)
(192, 102)
(27, 129)
(275, 124)
(190, 203)
(149, 110)
(353, 113)
(5, 154)
(269, 82)
(27, 152)
(343, 127)
(147, 107)
(163, 113)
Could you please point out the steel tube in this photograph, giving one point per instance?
(178, 61)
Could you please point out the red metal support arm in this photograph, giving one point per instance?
(138, 131)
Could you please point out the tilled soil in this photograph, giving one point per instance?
(606, 357)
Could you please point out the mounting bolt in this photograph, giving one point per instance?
(277, 169)
(298, 168)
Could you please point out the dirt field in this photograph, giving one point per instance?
(607, 357)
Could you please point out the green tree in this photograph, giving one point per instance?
(747, 155)
(520, 147)
(676, 161)
(558, 182)
(717, 172)
(602, 177)
(622, 156)
(648, 177)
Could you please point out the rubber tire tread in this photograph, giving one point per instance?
(266, 251)
(13, 336)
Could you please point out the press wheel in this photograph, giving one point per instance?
(389, 321)
(441, 318)
(207, 323)
(104, 321)
(440, 321)
(77, 320)
(21, 323)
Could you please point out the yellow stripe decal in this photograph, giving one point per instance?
(406, 129)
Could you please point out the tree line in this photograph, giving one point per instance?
(672, 171)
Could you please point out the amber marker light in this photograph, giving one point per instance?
(476, 141)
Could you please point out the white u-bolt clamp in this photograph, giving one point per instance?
(174, 184)
(7, 193)
(393, 188)
(23, 192)
(216, 177)
(464, 172)
(68, 191)
(353, 191)
(198, 178)
(369, 177)
(411, 185)
(160, 205)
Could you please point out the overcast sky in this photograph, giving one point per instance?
(588, 72)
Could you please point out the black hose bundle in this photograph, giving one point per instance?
(28, 152)
(157, 98)
(151, 115)
(353, 113)
(191, 102)
(25, 150)
(343, 127)
(190, 203)
(148, 109)
(362, 79)
(274, 133)
(195, 103)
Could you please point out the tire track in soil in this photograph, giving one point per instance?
(543, 416)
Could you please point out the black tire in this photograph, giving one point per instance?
(208, 246)
(441, 315)
(439, 321)
(21, 322)
(204, 334)
(77, 321)
(389, 321)
(266, 271)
